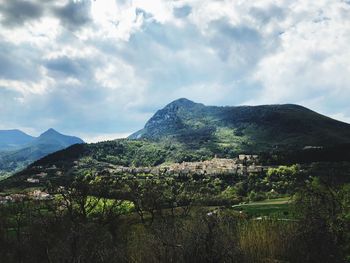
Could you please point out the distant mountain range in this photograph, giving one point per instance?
(18, 149)
(13, 139)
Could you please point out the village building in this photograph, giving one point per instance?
(15, 197)
(3, 200)
(42, 174)
(52, 168)
(59, 173)
(248, 157)
(33, 180)
(39, 195)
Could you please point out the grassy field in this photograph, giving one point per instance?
(280, 208)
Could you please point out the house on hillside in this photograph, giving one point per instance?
(15, 198)
(33, 180)
(42, 174)
(3, 200)
(248, 157)
(39, 195)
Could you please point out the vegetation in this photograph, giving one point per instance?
(276, 208)
(108, 219)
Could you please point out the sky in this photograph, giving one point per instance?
(100, 69)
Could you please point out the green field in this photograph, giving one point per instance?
(280, 208)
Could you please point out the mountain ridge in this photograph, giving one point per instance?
(13, 139)
(262, 126)
(37, 147)
(52, 136)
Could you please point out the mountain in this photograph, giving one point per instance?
(13, 139)
(56, 139)
(243, 128)
(33, 149)
(187, 131)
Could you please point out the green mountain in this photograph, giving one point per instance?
(13, 139)
(243, 128)
(188, 131)
(36, 148)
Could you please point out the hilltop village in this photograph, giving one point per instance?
(242, 165)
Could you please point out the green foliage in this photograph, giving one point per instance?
(125, 218)
(274, 208)
(284, 179)
(324, 216)
(253, 196)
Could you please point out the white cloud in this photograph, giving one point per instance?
(108, 69)
(162, 10)
(103, 137)
(40, 33)
(116, 74)
(27, 87)
(313, 58)
(113, 20)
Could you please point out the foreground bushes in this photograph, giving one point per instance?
(76, 227)
(217, 236)
(202, 237)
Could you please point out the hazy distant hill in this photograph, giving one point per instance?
(52, 138)
(243, 128)
(29, 149)
(13, 139)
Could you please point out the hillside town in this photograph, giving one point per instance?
(241, 165)
(36, 195)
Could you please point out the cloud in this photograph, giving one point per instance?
(102, 68)
(182, 11)
(114, 20)
(74, 14)
(312, 59)
(17, 62)
(16, 12)
(69, 67)
(104, 137)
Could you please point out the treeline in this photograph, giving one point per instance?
(126, 153)
(337, 153)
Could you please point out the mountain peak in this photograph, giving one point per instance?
(50, 131)
(167, 118)
(52, 136)
(182, 102)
